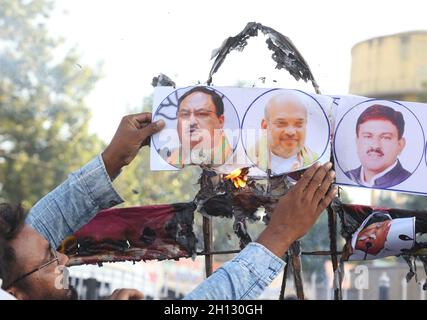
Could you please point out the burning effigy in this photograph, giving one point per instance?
(243, 174)
(237, 192)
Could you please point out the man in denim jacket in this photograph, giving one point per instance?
(31, 269)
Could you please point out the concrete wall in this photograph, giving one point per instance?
(392, 66)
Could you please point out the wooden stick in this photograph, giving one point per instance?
(295, 252)
(332, 224)
(207, 241)
(285, 275)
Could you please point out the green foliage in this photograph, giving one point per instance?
(43, 117)
(140, 186)
(317, 239)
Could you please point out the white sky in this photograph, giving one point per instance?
(136, 40)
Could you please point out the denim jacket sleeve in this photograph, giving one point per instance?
(243, 278)
(74, 203)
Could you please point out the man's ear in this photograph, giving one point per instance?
(221, 119)
(263, 124)
(402, 144)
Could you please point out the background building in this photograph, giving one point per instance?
(391, 67)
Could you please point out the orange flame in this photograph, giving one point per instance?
(238, 177)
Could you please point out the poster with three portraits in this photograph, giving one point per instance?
(375, 143)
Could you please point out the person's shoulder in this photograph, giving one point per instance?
(354, 173)
(405, 173)
(227, 147)
(394, 177)
(309, 154)
(401, 171)
(258, 151)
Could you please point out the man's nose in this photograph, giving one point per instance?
(192, 119)
(376, 142)
(290, 131)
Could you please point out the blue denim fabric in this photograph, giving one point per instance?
(243, 278)
(89, 190)
(74, 203)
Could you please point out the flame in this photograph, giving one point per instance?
(238, 177)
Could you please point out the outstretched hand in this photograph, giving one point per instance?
(298, 210)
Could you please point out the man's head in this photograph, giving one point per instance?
(379, 137)
(285, 118)
(373, 237)
(200, 116)
(29, 267)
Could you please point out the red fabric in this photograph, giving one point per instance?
(135, 233)
(115, 224)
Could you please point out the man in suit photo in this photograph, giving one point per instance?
(379, 141)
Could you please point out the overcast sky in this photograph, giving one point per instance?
(138, 39)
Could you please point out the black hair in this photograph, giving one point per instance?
(12, 220)
(378, 111)
(216, 98)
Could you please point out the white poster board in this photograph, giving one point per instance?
(281, 130)
(380, 144)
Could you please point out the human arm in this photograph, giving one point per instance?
(253, 269)
(89, 189)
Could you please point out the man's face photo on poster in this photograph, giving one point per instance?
(372, 239)
(381, 157)
(195, 132)
(200, 119)
(286, 124)
(379, 141)
(380, 236)
(284, 143)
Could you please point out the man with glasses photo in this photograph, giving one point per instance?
(200, 126)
